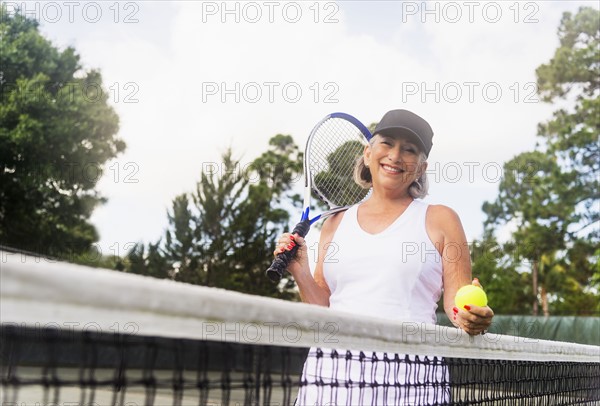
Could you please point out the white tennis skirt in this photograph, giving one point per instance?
(338, 377)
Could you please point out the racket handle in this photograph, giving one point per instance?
(281, 262)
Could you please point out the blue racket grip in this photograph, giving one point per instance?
(281, 262)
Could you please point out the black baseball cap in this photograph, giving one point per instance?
(406, 123)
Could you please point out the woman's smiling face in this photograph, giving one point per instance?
(394, 162)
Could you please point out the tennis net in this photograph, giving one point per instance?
(77, 335)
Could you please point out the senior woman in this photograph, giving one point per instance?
(414, 251)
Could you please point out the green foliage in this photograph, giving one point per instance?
(575, 62)
(508, 290)
(573, 135)
(148, 261)
(56, 132)
(533, 194)
(572, 281)
(223, 234)
(94, 258)
(550, 196)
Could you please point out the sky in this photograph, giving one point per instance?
(190, 79)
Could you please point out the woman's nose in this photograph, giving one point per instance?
(394, 155)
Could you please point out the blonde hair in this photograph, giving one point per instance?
(362, 176)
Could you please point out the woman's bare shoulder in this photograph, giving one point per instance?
(442, 216)
(331, 224)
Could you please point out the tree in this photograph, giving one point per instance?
(181, 247)
(572, 136)
(508, 290)
(56, 132)
(531, 196)
(222, 235)
(574, 71)
(574, 280)
(149, 262)
(550, 195)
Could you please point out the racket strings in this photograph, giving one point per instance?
(335, 147)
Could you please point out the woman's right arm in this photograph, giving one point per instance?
(313, 290)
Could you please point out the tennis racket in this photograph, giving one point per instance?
(332, 149)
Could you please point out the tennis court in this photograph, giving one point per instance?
(92, 336)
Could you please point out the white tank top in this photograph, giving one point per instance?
(394, 274)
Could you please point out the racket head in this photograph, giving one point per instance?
(332, 149)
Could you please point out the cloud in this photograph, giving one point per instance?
(211, 75)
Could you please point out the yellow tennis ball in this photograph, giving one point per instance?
(470, 295)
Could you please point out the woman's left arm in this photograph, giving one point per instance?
(447, 233)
